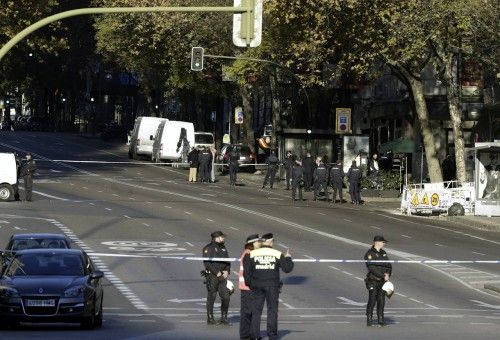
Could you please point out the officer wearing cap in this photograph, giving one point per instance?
(378, 274)
(262, 274)
(253, 242)
(216, 277)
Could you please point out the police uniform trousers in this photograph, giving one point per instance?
(288, 177)
(337, 188)
(354, 192)
(270, 295)
(270, 175)
(233, 170)
(308, 180)
(246, 314)
(214, 286)
(28, 187)
(296, 186)
(204, 172)
(376, 296)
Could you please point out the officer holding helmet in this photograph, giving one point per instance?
(378, 274)
(216, 274)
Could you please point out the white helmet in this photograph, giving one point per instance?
(230, 286)
(388, 288)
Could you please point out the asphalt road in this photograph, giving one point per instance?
(129, 217)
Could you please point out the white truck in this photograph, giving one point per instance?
(8, 176)
(173, 141)
(142, 136)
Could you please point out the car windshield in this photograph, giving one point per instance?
(46, 264)
(38, 243)
(203, 139)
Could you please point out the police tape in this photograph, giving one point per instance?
(233, 259)
(172, 164)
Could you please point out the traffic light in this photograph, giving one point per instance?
(197, 55)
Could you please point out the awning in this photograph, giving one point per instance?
(400, 145)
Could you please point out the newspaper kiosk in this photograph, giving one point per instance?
(487, 179)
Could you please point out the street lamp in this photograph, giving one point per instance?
(92, 99)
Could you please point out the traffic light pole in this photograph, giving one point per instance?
(110, 10)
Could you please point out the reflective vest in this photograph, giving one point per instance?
(241, 282)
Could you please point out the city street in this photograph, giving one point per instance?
(130, 217)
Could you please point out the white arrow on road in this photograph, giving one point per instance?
(187, 300)
(487, 305)
(350, 302)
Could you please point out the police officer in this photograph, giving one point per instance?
(288, 169)
(204, 158)
(18, 175)
(354, 177)
(308, 166)
(272, 168)
(378, 274)
(253, 242)
(337, 181)
(262, 274)
(320, 179)
(28, 168)
(297, 179)
(216, 277)
(234, 157)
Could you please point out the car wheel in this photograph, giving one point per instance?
(98, 318)
(6, 192)
(89, 321)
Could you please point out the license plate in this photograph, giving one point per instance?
(41, 303)
(243, 158)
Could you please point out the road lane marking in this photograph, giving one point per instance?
(345, 219)
(374, 227)
(190, 244)
(406, 236)
(188, 213)
(126, 216)
(233, 228)
(108, 209)
(145, 224)
(477, 253)
(209, 220)
(168, 207)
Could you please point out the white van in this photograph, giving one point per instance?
(204, 140)
(142, 137)
(168, 141)
(8, 176)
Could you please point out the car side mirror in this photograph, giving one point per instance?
(96, 275)
(151, 137)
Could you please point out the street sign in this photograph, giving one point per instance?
(213, 116)
(226, 139)
(343, 121)
(238, 115)
(247, 28)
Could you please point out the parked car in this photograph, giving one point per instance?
(142, 136)
(247, 156)
(168, 140)
(204, 140)
(51, 285)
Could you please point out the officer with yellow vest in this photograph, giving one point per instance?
(262, 274)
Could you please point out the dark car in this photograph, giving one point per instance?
(247, 156)
(51, 285)
(37, 241)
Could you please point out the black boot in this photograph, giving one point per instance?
(223, 320)
(369, 320)
(210, 319)
(381, 320)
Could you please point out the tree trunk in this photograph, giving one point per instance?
(248, 133)
(276, 110)
(433, 165)
(454, 106)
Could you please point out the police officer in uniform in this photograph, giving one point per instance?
(378, 274)
(234, 157)
(253, 242)
(288, 169)
(205, 157)
(354, 177)
(262, 274)
(320, 180)
(216, 277)
(297, 179)
(337, 181)
(308, 166)
(18, 172)
(28, 168)
(272, 168)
